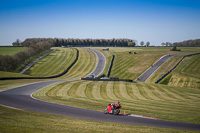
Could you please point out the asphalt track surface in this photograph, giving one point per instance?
(21, 98)
(100, 65)
(155, 66)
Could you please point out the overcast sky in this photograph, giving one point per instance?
(156, 21)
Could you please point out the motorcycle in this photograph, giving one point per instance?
(113, 109)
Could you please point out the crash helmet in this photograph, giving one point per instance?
(118, 102)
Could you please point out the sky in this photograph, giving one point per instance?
(155, 21)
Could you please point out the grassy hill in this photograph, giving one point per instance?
(153, 100)
(163, 102)
(58, 61)
(187, 74)
(85, 65)
(131, 66)
(11, 50)
(53, 64)
(169, 64)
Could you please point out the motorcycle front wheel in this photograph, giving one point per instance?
(116, 112)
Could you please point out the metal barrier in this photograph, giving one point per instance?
(55, 76)
(174, 67)
(106, 79)
(110, 67)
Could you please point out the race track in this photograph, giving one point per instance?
(100, 65)
(21, 98)
(155, 66)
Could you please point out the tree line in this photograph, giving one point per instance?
(11, 63)
(71, 42)
(95, 42)
(188, 43)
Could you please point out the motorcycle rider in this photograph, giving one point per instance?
(114, 105)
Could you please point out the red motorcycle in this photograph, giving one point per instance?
(113, 109)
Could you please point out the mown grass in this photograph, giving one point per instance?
(12, 74)
(8, 84)
(11, 50)
(163, 102)
(187, 74)
(131, 66)
(191, 66)
(53, 64)
(18, 121)
(160, 101)
(85, 64)
(168, 65)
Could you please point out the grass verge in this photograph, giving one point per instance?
(19, 121)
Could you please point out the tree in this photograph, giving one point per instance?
(169, 43)
(17, 43)
(147, 44)
(163, 44)
(142, 43)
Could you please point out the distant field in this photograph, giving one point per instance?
(11, 50)
(163, 102)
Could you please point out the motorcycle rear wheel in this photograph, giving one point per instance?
(105, 111)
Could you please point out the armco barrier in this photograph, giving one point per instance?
(110, 67)
(174, 67)
(107, 79)
(55, 76)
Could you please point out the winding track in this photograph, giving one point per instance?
(100, 65)
(21, 98)
(155, 66)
